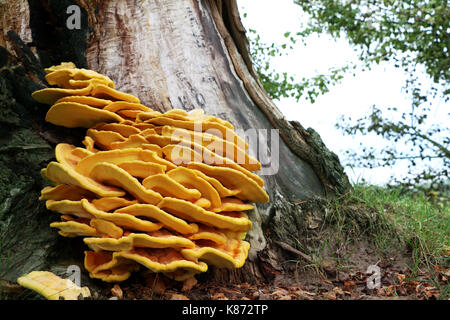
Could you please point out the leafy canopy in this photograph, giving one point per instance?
(411, 34)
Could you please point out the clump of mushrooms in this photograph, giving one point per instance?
(166, 191)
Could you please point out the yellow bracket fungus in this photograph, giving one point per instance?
(166, 191)
(105, 92)
(161, 260)
(210, 126)
(230, 255)
(121, 219)
(249, 189)
(68, 207)
(113, 175)
(189, 179)
(90, 101)
(75, 228)
(233, 204)
(66, 78)
(223, 191)
(123, 129)
(102, 265)
(182, 155)
(106, 228)
(53, 287)
(82, 115)
(124, 105)
(142, 169)
(65, 192)
(188, 211)
(139, 240)
(51, 95)
(63, 173)
(209, 233)
(112, 203)
(154, 213)
(168, 187)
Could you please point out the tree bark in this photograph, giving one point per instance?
(171, 54)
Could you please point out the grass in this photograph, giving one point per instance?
(395, 221)
(422, 224)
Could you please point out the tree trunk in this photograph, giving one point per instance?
(171, 54)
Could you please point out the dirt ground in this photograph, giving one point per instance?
(297, 281)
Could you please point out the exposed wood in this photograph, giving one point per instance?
(14, 15)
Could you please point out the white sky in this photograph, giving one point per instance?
(381, 86)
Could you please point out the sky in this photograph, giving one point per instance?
(354, 96)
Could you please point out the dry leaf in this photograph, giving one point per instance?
(177, 296)
(338, 292)
(117, 291)
(188, 284)
(349, 285)
(330, 296)
(400, 277)
(219, 296)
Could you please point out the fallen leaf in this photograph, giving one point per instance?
(432, 292)
(219, 296)
(329, 296)
(401, 278)
(349, 285)
(279, 293)
(338, 292)
(117, 291)
(244, 285)
(304, 295)
(188, 284)
(177, 296)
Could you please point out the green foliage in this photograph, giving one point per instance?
(281, 85)
(411, 32)
(421, 224)
(420, 144)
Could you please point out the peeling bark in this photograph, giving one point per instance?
(180, 54)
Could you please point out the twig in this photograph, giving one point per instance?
(289, 248)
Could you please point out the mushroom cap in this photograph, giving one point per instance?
(104, 92)
(190, 212)
(233, 204)
(139, 240)
(82, 115)
(64, 174)
(234, 179)
(65, 192)
(189, 179)
(169, 221)
(123, 220)
(212, 127)
(90, 101)
(231, 254)
(169, 187)
(165, 190)
(51, 95)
